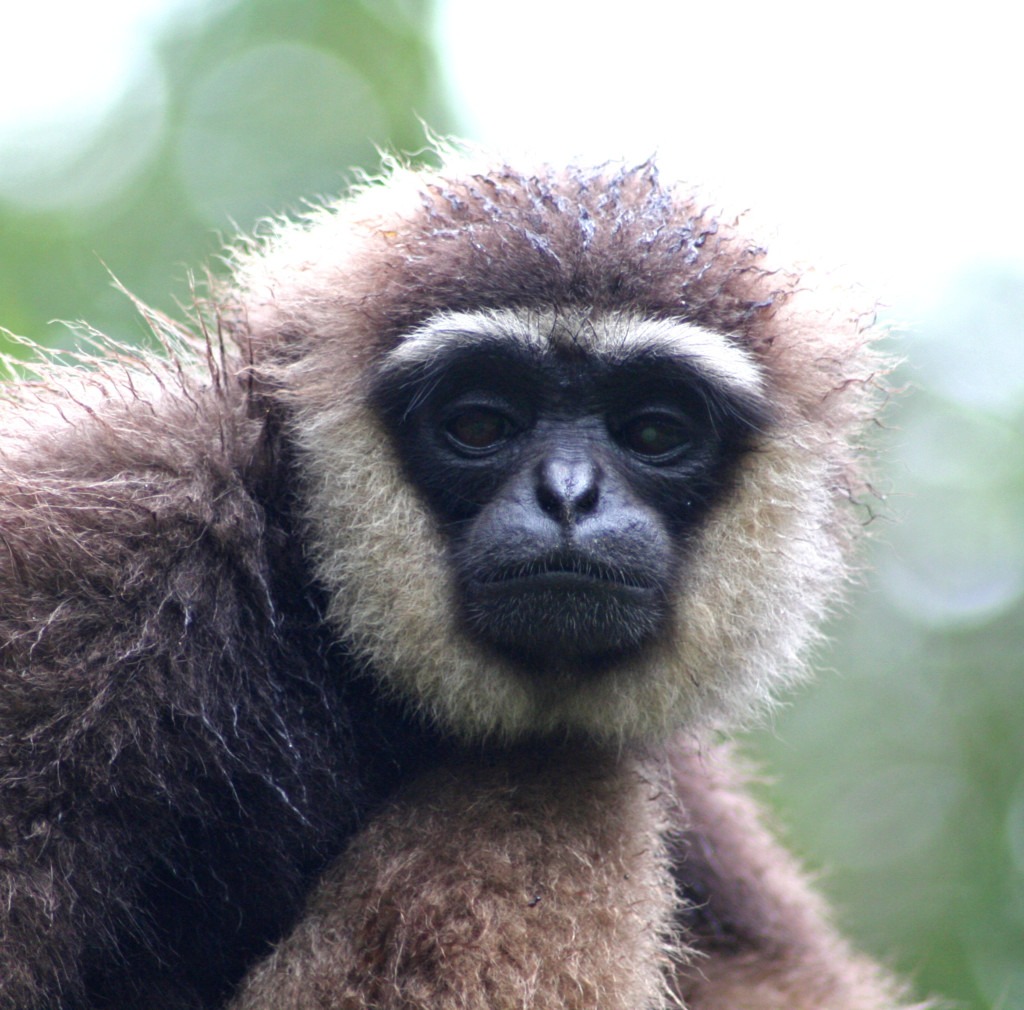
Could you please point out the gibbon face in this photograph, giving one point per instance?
(574, 457)
(567, 462)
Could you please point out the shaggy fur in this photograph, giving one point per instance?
(229, 667)
(536, 882)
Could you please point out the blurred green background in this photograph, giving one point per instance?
(900, 775)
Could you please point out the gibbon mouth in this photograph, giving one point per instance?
(566, 569)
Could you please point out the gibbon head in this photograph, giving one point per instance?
(576, 458)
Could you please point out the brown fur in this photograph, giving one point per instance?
(214, 580)
(538, 882)
(556, 902)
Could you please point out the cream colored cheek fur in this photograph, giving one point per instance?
(747, 600)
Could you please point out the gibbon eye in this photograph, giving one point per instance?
(654, 435)
(478, 428)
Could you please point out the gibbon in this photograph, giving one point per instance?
(372, 646)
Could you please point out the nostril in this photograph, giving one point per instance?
(550, 503)
(586, 501)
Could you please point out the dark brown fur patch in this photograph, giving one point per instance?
(156, 706)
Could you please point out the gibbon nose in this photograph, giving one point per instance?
(568, 489)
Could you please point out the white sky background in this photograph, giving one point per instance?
(64, 63)
(884, 136)
(60, 61)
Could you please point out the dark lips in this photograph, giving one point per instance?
(564, 570)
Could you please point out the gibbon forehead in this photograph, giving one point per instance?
(319, 302)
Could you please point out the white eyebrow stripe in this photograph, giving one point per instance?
(711, 354)
(614, 336)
